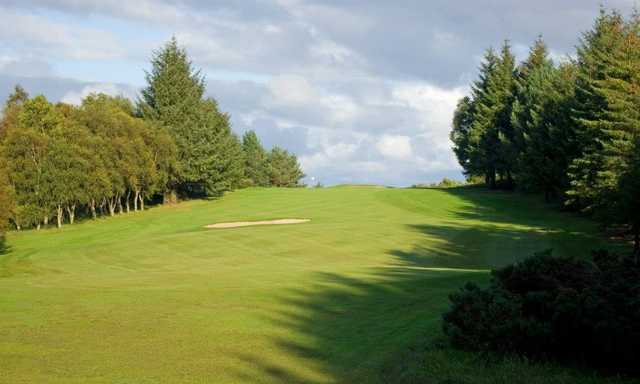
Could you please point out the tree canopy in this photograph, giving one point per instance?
(108, 156)
(570, 130)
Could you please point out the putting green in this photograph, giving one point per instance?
(155, 297)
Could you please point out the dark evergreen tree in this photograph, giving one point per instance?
(284, 169)
(256, 166)
(461, 135)
(481, 133)
(541, 117)
(208, 152)
(594, 62)
(492, 148)
(501, 90)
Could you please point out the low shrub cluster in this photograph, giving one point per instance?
(554, 308)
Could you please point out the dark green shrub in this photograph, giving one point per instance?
(548, 307)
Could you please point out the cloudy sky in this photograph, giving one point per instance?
(362, 91)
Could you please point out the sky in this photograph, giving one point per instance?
(361, 91)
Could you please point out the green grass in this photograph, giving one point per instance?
(355, 295)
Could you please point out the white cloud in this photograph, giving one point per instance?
(292, 90)
(395, 147)
(75, 97)
(37, 34)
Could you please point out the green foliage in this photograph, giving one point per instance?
(210, 158)
(570, 131)
(483, 135)
(256, 161)
(543, 123)
(461, 135)
(60, 158)
(548, 307)
(284, 169)
(444, 183)
(7, 203)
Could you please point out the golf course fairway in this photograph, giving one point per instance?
(355, 295)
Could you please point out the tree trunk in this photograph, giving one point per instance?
(170, 197)
(59, 216)
(38, 227)
(71, 211)
(45, 221)
(490, 178)
(126, 201)
(141, 202)
(135, 200)
(636, 242)
(92, 207)
(119, 201)
(510, 183)
(111, 203)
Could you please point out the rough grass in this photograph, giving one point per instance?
(355, 295)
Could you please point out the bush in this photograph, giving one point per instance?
(547, 307)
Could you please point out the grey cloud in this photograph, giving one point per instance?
(342, 84)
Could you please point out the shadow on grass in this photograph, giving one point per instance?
(354, 329)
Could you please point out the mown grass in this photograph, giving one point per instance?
(355, 295)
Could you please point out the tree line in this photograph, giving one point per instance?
(110, 155)
(570, 130)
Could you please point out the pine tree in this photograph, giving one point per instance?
(255, 160)
(461, 132)
(595, 55)
(502, 88)
(491, 139)
(215, 162)
(284, 169)
(480, 154)
(12, 109)
(542, 122)
(209, 155)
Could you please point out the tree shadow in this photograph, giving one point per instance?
(347, 329)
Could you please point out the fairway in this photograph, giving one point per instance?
(155, 297)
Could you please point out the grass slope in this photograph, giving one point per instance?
(154, 297)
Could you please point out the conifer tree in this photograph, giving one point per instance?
(595, 54)
(614, 191)
(542, 122)
(12, 109)
(284, 169)
(255, 160)
(480, 152)
(491, 138)
(501, 89)
(209, 155)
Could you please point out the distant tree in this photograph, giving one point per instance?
(209, 155)
(284, 169)
(66, 176)
(7, 203)
(256, 166)
(25, 151)
(12, 109)
(139, 157)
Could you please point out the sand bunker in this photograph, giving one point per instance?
(237, 224)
